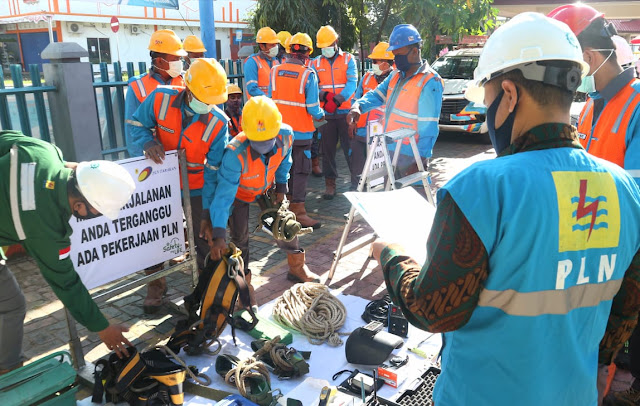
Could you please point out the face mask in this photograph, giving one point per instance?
(402, 62)
(199, 107)
(273, 52)
(378, 70)
(175, 68)
(588, 84)
(89, 215)
(500, 137)
(329, 52)
(263, 147)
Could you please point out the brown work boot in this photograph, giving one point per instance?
(156, 290)
(301, 215)
(330, 188)
(298, 270)
(315, 167)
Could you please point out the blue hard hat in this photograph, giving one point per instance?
(403, 35)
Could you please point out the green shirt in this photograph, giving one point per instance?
(35, 213)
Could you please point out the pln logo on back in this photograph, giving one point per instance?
(589, 210)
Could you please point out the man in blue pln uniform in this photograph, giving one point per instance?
(533, 262)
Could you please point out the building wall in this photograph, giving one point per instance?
(136, 24)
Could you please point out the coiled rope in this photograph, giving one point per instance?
(312, 310)
(248, 368)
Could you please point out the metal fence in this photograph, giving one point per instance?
(26, 108)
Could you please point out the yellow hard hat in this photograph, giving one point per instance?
(261, 119)
(267, 36)
(301, 39)
(232, 88)
(326, 36)
(166, 42)
(207, 80)
(287, 45)
(193, 44)
(380, 51)
(283, 36)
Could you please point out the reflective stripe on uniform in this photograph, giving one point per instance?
(134, 123)
(295, 104)
(162, 115)
(379, 93)
(634, 172)
(616, 125)
(27, 181)
(209, 130)
(13, 193)
(404, 114)
(213, 168)
(549, 301)
(587, 110)
(252, 81)
(436, 119)
(304, 80)
(143, 91)
(274, 73)
(195, 165)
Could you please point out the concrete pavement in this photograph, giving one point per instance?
(45, 324)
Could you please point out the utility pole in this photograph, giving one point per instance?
(208, 27)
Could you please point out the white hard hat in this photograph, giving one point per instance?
(106, 185)
(624, 54)
(525, 39)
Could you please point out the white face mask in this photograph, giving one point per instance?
(588, 84)
(199, 107)
(328, 52)
(175, 68)
(273, 52)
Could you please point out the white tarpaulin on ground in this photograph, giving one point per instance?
(149, 230)
(324, 362)
(400, 216)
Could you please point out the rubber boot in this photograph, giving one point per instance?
(301, 215)
(156, 290)
(298, 270)
(330, 188)
(315, 167)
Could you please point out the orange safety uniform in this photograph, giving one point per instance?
(235, 125)
(145, 85)
(288, 92)
(333, 78)
(195, 138)
(404, 111)
(256, 179)
(264, 70)
(607, 140)
(370, 83)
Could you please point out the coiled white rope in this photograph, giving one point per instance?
(312, 310)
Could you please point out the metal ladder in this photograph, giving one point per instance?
(397, 136)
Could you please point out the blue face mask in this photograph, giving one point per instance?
(402, 62)
(500, 137)
(263, 147)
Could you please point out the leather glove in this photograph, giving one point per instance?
(338, 99)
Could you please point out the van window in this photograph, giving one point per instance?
(453, 67)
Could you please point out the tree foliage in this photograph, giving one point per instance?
(367, 22)
(305, 16)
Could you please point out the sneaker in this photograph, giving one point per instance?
(630, 397)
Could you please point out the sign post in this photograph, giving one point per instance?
(115, 27)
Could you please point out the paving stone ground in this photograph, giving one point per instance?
(46, 325)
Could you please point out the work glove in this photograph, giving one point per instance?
(338, 99)
(330, 106)
(323, 95)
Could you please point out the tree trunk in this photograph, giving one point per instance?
(387, 10)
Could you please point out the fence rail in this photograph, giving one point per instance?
(27, 108)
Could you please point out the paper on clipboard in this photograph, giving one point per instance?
(400, 216)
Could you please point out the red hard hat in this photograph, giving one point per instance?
(576, 16)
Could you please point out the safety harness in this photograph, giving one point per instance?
(142, 379)
(286, 362)
(280, 221)
(210, 307)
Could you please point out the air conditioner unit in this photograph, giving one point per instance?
(135, 29)
(75, 28)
